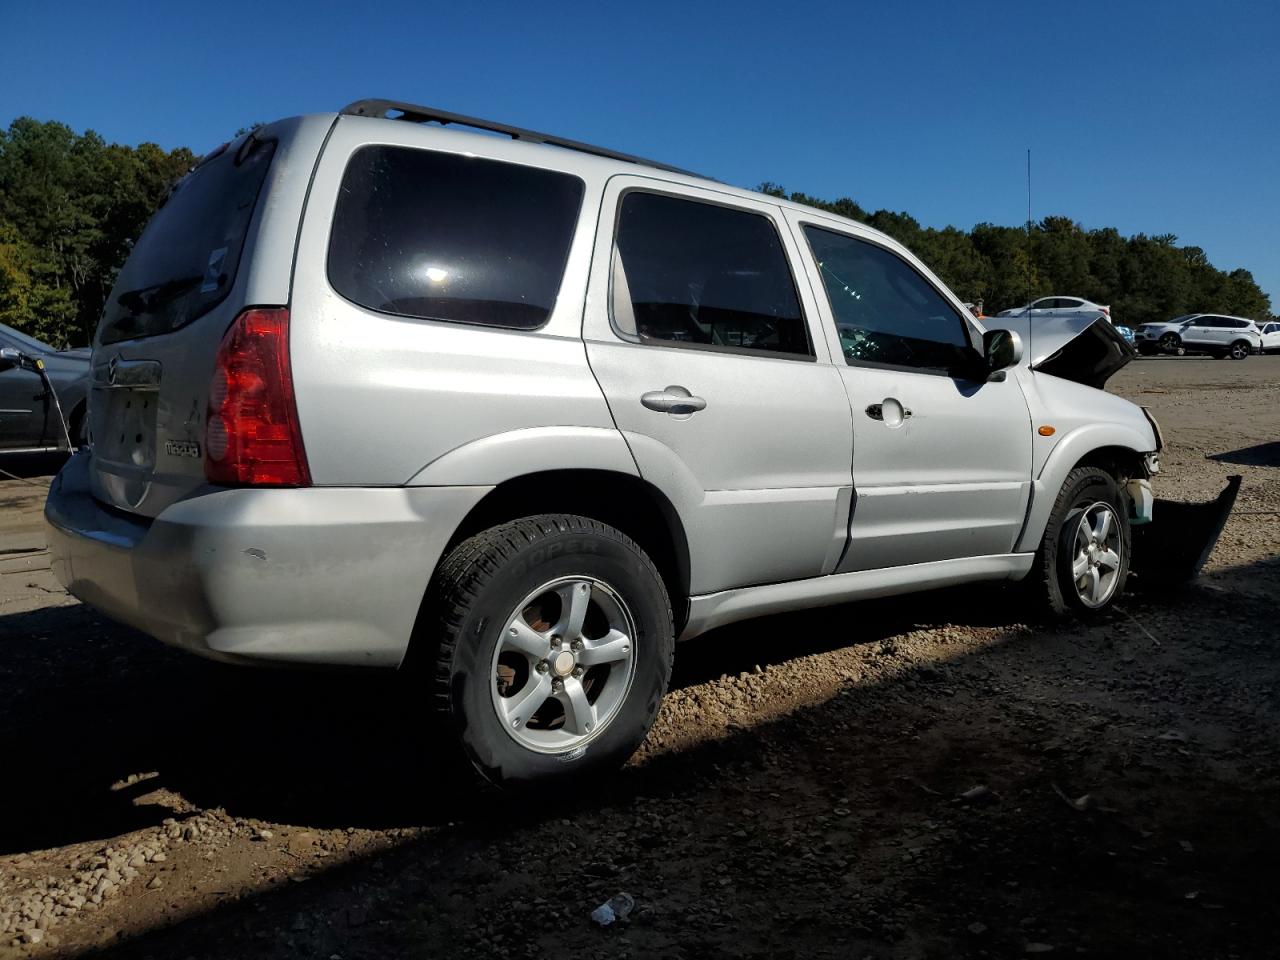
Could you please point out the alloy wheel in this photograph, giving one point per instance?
(1096, 549)
(564, 664)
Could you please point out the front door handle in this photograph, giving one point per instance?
(891, 412)
(673, 399)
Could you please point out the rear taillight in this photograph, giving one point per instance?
(251, 431)
(1107, 311)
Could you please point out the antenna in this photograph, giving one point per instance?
(1030, 270)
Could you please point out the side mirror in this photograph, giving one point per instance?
(1001, 349)
(9, 357)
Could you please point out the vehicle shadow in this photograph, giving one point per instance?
(850, 826)
(86, 704)
(1259, 455)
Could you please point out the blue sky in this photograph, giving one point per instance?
(1151, 117)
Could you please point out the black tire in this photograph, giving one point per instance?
(1240, 350)
(477, 589)
(1055, 587)
(1172, 343)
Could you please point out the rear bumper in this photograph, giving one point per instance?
(316, 575)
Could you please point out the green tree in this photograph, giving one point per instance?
(70, 207)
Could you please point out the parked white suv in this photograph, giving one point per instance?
(1270, 338)
(1211, 333)
(515, 414)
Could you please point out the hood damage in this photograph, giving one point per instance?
(1086, 350)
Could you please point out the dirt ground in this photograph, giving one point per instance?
(917, 777)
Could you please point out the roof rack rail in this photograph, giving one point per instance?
(415, 113)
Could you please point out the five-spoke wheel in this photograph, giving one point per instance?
(1083, 558)
(1096, 566)
(563, 664)
(553, 638)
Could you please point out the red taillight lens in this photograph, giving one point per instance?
(251, 431)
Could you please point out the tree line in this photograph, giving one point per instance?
(1143, 278)
(71, 206)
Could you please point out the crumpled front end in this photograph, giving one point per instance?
(1174, 546)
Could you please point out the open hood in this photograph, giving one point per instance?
(1085, 349)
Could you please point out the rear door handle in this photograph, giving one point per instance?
(673, 399)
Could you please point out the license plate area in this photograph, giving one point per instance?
(124, 431)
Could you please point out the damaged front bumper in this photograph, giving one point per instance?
(1177, 541)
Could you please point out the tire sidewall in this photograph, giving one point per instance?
(565, 553)
(1094, 487)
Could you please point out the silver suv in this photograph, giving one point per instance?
(517, 413)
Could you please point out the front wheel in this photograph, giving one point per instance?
(1083, 559)
(1172, 343)
(554, 647)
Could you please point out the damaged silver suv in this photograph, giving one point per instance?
(517, 413)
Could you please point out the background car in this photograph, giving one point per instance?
(1271, 337)
(1057, 306)
(28, 417)
(1127, 332)
(1210, 333)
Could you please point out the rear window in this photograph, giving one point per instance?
(441, 236)
(185, 262)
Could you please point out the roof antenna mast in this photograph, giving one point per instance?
(1030, 271)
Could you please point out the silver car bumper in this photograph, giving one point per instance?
(317, 575)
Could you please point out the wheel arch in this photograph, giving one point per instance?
(1115, 448)
(622, 500)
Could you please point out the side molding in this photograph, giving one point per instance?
(730, 606)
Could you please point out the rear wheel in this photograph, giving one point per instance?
(1083, 560)
(1240, 349)
(555, 642)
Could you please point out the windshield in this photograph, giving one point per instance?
(24, 341)
(185, 262)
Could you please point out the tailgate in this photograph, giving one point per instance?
(191, 272)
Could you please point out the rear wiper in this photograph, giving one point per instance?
(146, 299)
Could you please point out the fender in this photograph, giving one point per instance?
(1064, 456)
(494, 459)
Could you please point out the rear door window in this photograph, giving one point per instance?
(695, 274)
(441, 236)
(186, 260)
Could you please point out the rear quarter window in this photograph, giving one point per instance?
(439, 236)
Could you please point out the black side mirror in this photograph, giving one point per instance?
(1001, 349)
(9, 358)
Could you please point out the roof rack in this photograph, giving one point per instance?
(414, 113)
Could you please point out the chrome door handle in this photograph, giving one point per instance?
(898, 412)
(673, 399)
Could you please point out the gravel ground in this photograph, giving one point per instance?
(931, 777)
